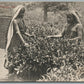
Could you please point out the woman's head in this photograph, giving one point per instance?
(71, 19)
(19, 11)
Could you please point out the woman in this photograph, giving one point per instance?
(17, 35)
(73, 29)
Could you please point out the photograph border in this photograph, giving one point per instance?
(30, 82)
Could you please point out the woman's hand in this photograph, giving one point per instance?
(54, 36)
(29, 35)
(26, 44)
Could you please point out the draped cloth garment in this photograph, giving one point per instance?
(11, 27)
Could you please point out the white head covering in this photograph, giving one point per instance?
(10, 30)
(76, 14)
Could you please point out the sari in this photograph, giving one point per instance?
(13, 40)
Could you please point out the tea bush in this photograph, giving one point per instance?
(53, 59)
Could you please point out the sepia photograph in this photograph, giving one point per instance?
(41, 41)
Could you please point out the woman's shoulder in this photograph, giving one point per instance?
(16, 21)
(77, 27)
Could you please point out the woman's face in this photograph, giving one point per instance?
(21, 14)
(69, 19)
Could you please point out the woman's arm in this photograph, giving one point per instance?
(76, 26)
(78, 29)
(27, 34)
(54, 36)
(74, 38)
(60, 34)
(80, 32)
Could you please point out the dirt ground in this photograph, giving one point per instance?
(3, 71)
(4, 76)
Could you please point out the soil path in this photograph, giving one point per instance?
(3, 71)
